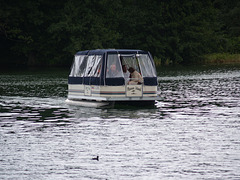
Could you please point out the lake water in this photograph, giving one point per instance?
(192, 133)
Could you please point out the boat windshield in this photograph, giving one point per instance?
(114, 68)
(130, 61)
(146, 66)
(90, 66)
(141, 63)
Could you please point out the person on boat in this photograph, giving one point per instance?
(126, 74)
(113, 72)
(135, 77)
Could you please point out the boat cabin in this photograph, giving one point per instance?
(109, 76)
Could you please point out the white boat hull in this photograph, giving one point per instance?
(95, 104)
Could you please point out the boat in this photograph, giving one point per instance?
(101, 77)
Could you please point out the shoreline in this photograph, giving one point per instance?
(208, 59)
(221, 58)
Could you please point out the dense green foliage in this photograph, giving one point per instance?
(43, 32)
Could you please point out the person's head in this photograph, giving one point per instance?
(113, 67)
(124, 67)
(131, 69)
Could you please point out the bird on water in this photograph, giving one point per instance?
(96, 158)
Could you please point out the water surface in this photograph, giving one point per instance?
(192, 133)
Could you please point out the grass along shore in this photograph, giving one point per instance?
(221, 58)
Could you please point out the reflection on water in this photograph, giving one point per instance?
(193, 133)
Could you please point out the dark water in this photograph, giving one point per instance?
(193, 133)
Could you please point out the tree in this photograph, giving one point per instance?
(24, 23)
(229, 15)
(51, 32)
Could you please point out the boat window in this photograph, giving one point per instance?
(72, 73)
(90, 64)
(130, 61)
(83, 66)
(146, 66)
(96, 68)
(76, 70)
(114, 68)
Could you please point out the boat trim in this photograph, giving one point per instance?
(97, 98)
